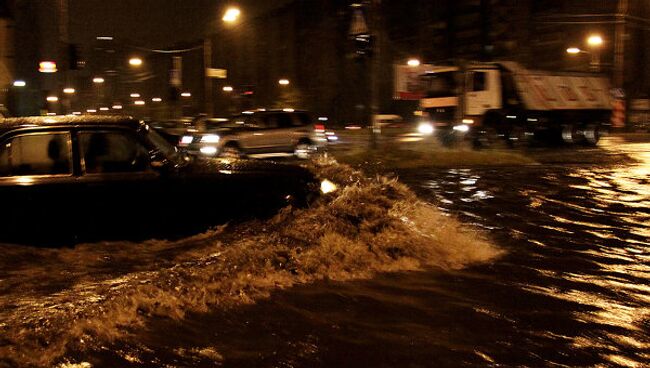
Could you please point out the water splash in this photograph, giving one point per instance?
(102, 292)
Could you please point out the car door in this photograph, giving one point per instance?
(37, 186)
(122, 192)
(276, 134)
(253, 135)
(282, 137)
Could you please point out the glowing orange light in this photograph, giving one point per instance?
(47, 67)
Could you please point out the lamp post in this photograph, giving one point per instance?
(413, 63)
(231, 15)
(595, 42)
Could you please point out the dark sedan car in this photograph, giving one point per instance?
(115, 177)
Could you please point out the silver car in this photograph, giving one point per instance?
(260, 132)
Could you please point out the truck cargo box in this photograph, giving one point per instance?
(541, 90)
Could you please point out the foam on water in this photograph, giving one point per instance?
(94, 293)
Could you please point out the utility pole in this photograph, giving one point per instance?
(375, 70)
(619, 44)
(64, 40)
(207, 81)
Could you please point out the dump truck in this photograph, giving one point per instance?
(503, 101)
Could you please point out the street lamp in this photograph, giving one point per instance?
(134, 95)
(20, 83)
(413, 63)
(284, 82)
(69, 91)
(227, 89)
(135, 61)
(52, 99)
(47, 67)
(98, 80)
(231, 15)
(595, 40)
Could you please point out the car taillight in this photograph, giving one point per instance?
(185, 140)
(319, 128)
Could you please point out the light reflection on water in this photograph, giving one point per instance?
(572, 291)
(583, 247)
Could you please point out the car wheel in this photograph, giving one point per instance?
(304, 150)
(231, 151)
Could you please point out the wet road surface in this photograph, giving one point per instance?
(572, 289)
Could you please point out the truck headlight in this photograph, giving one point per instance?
(425, 128)
(210, 138)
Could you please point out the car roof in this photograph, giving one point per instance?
(272, 111)
(67, 121)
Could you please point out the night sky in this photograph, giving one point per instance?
(152, 23)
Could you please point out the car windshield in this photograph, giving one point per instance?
(164, 147)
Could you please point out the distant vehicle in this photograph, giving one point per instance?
(172, 130)
(487, 101)
(80, 174)
(389, 121)
(259, 132)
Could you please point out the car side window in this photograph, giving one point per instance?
(284, 121)
(36, 154)
(270, 121)
(112, 152)
(302, 119)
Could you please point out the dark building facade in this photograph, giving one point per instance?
(308, 42)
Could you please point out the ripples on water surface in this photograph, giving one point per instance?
(572, 290)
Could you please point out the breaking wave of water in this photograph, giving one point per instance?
(53, 301)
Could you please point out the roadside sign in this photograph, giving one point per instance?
(216, 73)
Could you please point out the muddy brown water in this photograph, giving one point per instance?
(573, 288)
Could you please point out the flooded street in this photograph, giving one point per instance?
(568, 286)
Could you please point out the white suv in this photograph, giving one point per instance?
(260, 132)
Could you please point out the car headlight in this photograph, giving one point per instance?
(425, 128)
(208, 150)
(462, 128)
(187, 139)
(327, 186)
(210, 138)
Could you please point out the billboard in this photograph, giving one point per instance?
(409, 84)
